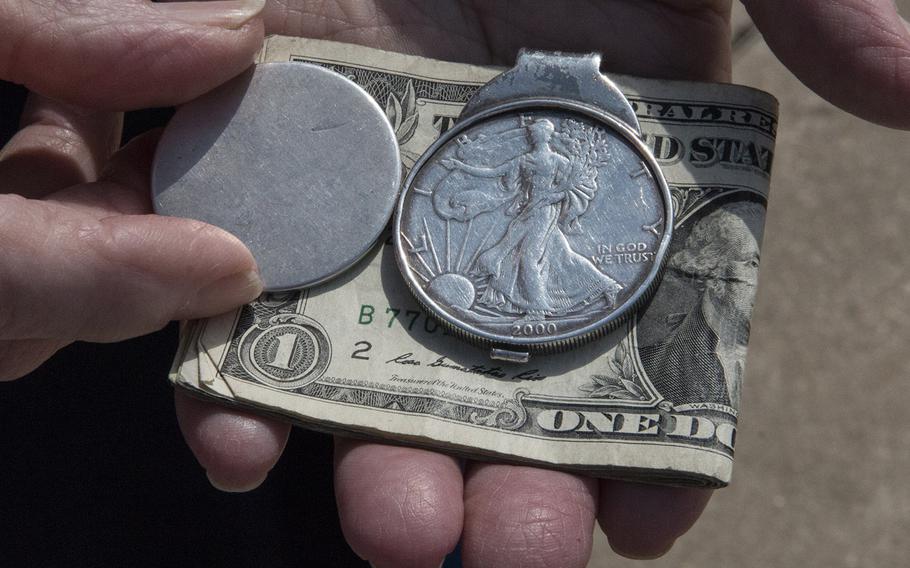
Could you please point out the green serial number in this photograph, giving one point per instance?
(408, 319)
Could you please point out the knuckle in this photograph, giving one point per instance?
(125, 256)
(53, 124)
(116, 246)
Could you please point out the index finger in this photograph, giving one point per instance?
(128, 54)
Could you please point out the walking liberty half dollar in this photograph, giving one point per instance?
(541, 220)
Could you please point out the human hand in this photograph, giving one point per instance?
(82, 257)
(405, 507)
(409, 507)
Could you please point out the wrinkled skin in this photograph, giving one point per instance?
(77, 234)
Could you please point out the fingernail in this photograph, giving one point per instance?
(227, 293)
(228, 14)
(640, 555)
(236, 488)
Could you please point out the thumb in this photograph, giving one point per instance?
(127, 54)
(88, 263)
(71, 276)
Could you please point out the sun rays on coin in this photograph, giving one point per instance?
(452, 285)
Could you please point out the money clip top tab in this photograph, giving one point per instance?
(555, 75)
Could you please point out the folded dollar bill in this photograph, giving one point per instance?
(656, 400)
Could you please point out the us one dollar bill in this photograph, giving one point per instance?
(656, 400)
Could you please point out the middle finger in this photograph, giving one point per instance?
(398, 506)
(525, 516)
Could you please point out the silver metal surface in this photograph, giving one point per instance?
(297, 161)
(554, 75)
(535, 224)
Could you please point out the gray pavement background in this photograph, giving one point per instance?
(822, 475)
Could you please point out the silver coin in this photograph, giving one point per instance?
(297, 161)
(534, 226)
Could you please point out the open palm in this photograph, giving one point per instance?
(398, 506)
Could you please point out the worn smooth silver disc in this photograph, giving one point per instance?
(297, 161)
(534, 226)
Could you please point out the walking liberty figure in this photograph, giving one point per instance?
(532, 271)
